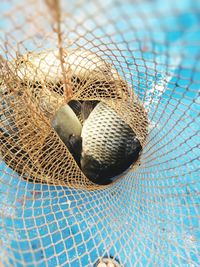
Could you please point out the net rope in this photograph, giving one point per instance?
(142, 60)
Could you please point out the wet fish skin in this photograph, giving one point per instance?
(68, 128)
(109, 145)
(45, 66)
(66, 123)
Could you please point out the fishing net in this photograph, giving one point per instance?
(142, 60)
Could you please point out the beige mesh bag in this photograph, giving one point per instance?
(141, 58)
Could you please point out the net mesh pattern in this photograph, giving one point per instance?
(141, 58)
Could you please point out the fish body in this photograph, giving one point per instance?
(66, 123)
(83, 65)
(109, 145)
(106, 145)
(68, 128)
(87, 74)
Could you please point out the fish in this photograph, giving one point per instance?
(109, 145)
(69, 128)
(40, 76)
(87, 72)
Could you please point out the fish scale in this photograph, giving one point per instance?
(108, 140)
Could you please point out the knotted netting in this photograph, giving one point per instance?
(142, 59)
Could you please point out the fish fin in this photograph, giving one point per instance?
(76, 106)
(87, 108)
(75, 147)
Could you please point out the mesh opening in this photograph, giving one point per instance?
(147, 57)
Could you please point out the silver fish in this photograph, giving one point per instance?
(68, 128)
(109, 145)
(42, 77)
(83, 65)
(66, 123)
